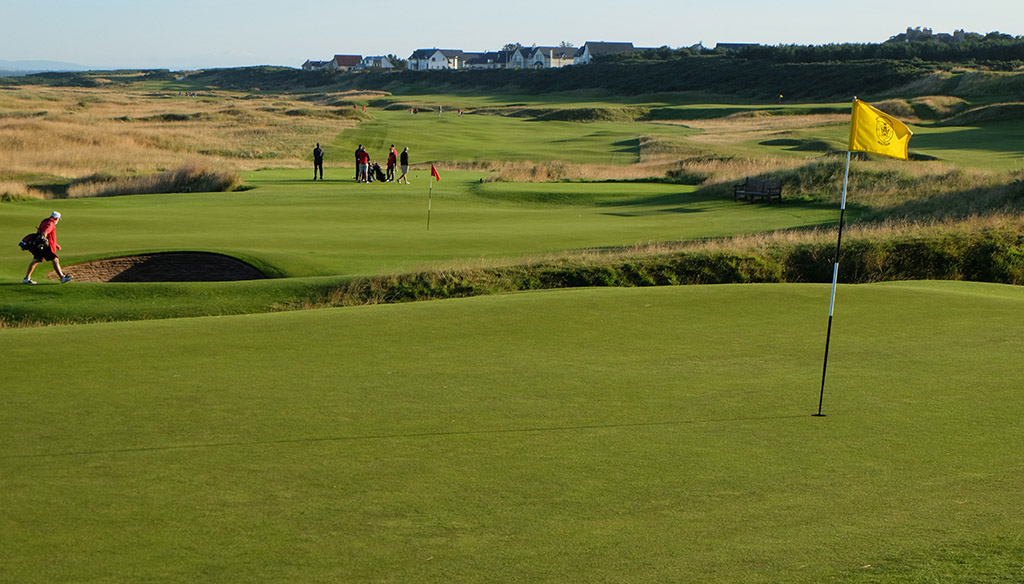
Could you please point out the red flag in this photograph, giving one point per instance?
(433, 172)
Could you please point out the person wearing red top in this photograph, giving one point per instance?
(392, 162)
(48, 229)
(363, 158)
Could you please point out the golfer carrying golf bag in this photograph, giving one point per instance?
(47, 249)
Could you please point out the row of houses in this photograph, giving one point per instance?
(349, 63)
(518, 58)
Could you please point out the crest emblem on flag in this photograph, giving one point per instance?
(884, 131)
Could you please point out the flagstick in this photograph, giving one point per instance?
(835, 277)
(430, 192)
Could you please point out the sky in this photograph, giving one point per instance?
(195, 34)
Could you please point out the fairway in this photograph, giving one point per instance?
(489, 137)
(621, 435)
(294, 227)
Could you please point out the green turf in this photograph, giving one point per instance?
(616, 435)
(296, 228)
(991, 145)
(431, 137)
(995, 145)
(302, 228)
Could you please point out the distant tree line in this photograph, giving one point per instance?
(995, 50)
(714, 73)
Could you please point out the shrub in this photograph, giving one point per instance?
(896, 107)
(937, 106)
(196, 176)
(593, 114)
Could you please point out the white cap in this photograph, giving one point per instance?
(55, 215)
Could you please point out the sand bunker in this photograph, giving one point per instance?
(164, 267)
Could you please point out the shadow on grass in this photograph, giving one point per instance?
(632, 146)
(684, 202)
(665, 200)
(412, 435)
(1004, 137)
(693, 113)
(348, 179)
(681, 210)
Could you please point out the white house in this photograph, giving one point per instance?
(547, 57)
(585, 55)
(517, 58)
(376, 63)
(424, 59)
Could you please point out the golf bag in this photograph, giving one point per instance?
(378, 173)
(33, 242)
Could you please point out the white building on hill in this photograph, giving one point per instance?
(425, 59)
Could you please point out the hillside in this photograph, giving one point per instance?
(749, 78)
(757, 78)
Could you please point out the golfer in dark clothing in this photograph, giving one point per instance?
(318, 161)
(404, 160)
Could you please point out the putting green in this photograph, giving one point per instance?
(627, 435)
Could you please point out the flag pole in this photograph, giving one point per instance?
(835, 277)
(430, 192)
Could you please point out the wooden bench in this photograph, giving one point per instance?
(754, 188)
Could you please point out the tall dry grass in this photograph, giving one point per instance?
(195, 176)
(886, 230)
(743, 127)
(553, 171)
(18, 191)
(73, 133)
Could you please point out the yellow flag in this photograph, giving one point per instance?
(878, 133)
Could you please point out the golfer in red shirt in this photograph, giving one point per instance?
(392, 163)
(364, 164)
(48, 229)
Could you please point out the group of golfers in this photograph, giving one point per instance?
(367, 170)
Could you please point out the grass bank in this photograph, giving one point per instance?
(991, 253)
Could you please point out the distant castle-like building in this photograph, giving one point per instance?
(918, 35)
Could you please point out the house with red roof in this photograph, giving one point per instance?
(345, 62)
